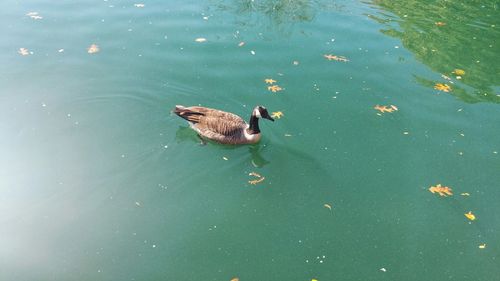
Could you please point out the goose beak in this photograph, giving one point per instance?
(268, 117)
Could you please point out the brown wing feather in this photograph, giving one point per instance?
(213, 123)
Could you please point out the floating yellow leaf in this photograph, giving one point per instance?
(442, 87)
(441, 190)
(440, 23)
(314, 279)
(482, 246)
(385, 108)
(93, 49)
(235, 279)
(274, 88)
(256, 181)
(269, 81)
(277, 114)
(458, 71)
(328, 206)
(336, 58)
(470, 216)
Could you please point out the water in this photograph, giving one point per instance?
(99, 181)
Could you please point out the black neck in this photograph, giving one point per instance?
(254, 125)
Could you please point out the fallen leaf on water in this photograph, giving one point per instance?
(23, 51)
(482, 246)
(441, 190)
(256, 181)
(277, 114)
(328, 206)
(274, 88)
(139, 5)
(440, 23)
(93, 49)
(445, 77)
(200, 40)
(34, 15)
(442, 87)
(470, 216)
(465, 194)
(314, 279)
(269, 81)
(385, 108)
(235, 279)
(458, 72)
(336, 58)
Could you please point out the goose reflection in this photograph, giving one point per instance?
(186, 134)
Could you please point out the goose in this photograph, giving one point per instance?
(221, 126)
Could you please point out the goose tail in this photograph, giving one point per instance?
(187, 113)
(179, 109)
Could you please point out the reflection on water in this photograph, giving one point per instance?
(448, 35)
(279, 14)
(184, 134)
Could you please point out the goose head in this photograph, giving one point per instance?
(261, 112)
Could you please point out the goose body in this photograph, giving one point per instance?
(221, 126)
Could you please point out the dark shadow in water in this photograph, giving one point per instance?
(281, 15)
(187, 134)
(448, 35)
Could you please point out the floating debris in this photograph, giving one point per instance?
(269, 81)
(328, 206)
(24, 52)
(482, 246)
(277, 114)
(34, 15)
(441, 190)
(139, 5)
(470, 216)
(274, 88)
(336, 58)
(200, 40)
(442, 87)
(440, 23)
(256, 181)
(386, 108)
(93, 49)
(241, 44)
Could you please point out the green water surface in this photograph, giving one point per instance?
(99, 181)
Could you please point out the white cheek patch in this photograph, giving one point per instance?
(256, 113)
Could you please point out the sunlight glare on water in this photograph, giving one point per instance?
(100, 181)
